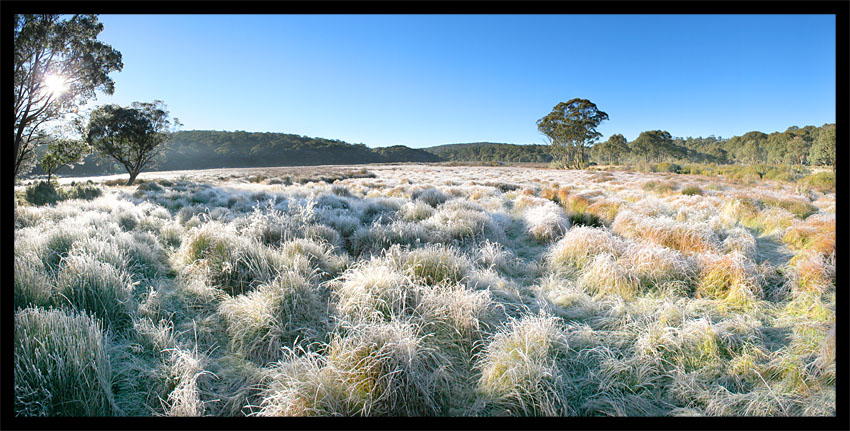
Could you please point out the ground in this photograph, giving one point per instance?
(427, 290)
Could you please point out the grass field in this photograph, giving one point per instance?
(426, 290)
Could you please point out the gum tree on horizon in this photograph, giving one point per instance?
(570, 128)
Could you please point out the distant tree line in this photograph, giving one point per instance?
(809, 145)
(492, 152)
(206, 149)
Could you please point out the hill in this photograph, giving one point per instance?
(208, 149)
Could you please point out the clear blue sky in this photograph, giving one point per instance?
(426, 80)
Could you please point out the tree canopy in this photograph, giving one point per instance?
(133, 136)
(570, 128)
(59, 64)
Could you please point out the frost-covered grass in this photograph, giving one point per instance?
(426, 290)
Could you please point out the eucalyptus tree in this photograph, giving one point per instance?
(133, 135)
(570, 128)
(58, 66)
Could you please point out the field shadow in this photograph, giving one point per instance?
(771, 249)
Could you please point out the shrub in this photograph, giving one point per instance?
(659, 187)
(821, 181)
(519, 368)
(797, 207)
(62, 365)
(84, 191)
(691, 191)
(43, 193)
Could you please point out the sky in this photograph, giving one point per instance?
(424, 80)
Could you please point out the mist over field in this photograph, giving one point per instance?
(426, 290)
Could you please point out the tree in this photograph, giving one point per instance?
(63, 152)
(797, 150)
(133, 135)
(612, 150)
(822, 151)
(59, 64)
(570, 128)
(653, 144)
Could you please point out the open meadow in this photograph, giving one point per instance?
(406, 290)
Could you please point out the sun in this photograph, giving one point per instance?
(55, 85)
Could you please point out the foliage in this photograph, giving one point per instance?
(132, 136)
(50, 48)
(43, 193)
(63, 152)
(570, 128)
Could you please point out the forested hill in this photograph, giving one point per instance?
(207, 149)
(492, 152)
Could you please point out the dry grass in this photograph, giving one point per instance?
(427, 290)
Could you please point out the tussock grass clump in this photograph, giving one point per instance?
(546, 222)
(460, 223)
(57, 244)
(303, 385)
(815, 233)
(814, 271)
(261, 322)
(62, 365)
(775, 220)
(456, 317)
(660, 267)
(83, 283)
(375, 290)
(519, 369)
(821, 181)
(431, 196)
(685, 237)
(606, 211)
(435, 264)
(659, 187)
(372, 240)
(374, 369)
(388, 369)
(33, 286)
(606, 275)
(416, 211)
(731, 278)
(494, 255)
(320, 254)
(232, 263)
(185, 371)
(798, 207)
(580, 245)
(740, 240)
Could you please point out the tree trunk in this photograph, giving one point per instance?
(133, 176)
